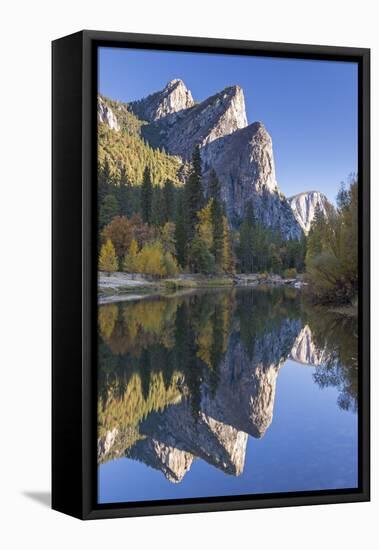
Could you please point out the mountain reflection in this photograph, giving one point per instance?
(186, 377)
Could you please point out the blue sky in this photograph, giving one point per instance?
(310, 108)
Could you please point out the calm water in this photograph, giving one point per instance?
(225, 392)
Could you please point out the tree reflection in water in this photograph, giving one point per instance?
(181, 377)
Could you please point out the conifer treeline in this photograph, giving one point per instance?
(186, 228)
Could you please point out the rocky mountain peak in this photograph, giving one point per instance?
(304, 207)
(241, 154)
(215, 117)
(173, 83)
(172, 99)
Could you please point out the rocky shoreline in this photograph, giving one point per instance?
(121, 286)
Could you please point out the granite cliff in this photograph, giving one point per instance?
(217, 431)
(240, 153)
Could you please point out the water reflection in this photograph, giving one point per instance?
(193, 376)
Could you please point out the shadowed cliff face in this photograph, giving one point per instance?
(245, 392)
(244, 163)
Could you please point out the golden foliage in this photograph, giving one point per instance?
(107, 259)
(130, 262)
(129, 407)
(107, 317)
(205, 227)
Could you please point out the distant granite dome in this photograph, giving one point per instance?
(304, 207)
(305, 351)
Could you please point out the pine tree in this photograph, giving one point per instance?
(214, 192)
(214, 187)
(218, 233)
(246, 245)
(168, 201)
(228, 256)
(316, 235)
(124, 194)
(181, 237)
(107, 259)
(146, 196)
(157, 207)
(109, 208)
(194, 194)
(201, 260)
(105, 180)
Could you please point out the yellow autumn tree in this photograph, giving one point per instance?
(107, 317)
(170, 264)
(168, 237)
(150, 260)
(228, 263)
(204, 227)
(108, 259)
(130, 262)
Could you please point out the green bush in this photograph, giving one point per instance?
(290, 273)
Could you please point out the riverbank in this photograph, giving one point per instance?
(121, 286)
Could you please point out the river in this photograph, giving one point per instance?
(225, 392)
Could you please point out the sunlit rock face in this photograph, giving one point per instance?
(172, 99)
(180, 131)
(106, 443)
(304, 207)
(171, 461)
(106, 115)
(305, 351)
(200, 435)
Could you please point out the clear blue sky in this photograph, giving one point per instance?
(310, 108)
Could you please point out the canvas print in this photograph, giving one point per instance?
(227, 195)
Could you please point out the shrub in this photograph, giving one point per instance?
(290, 273)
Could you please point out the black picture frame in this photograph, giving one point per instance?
(74, 294)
